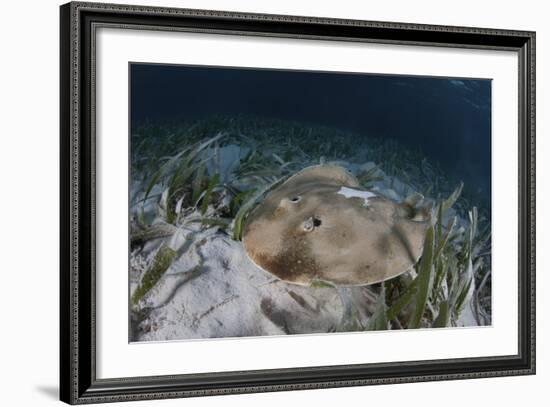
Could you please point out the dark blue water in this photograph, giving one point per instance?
(448, 119)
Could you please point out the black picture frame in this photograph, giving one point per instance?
(78, 382)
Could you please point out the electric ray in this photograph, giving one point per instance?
(320, 225)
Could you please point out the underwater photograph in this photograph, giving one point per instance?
(279, 202)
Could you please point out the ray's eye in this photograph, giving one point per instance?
(316, 222)
(296, 199)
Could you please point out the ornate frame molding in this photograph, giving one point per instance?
(79, 384)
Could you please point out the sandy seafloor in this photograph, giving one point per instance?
(213, 290)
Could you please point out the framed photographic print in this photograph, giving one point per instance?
(257, 203)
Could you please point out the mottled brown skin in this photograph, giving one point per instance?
(306, 231)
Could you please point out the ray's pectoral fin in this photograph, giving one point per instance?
(401, 236)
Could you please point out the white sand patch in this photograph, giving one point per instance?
(214, 290)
